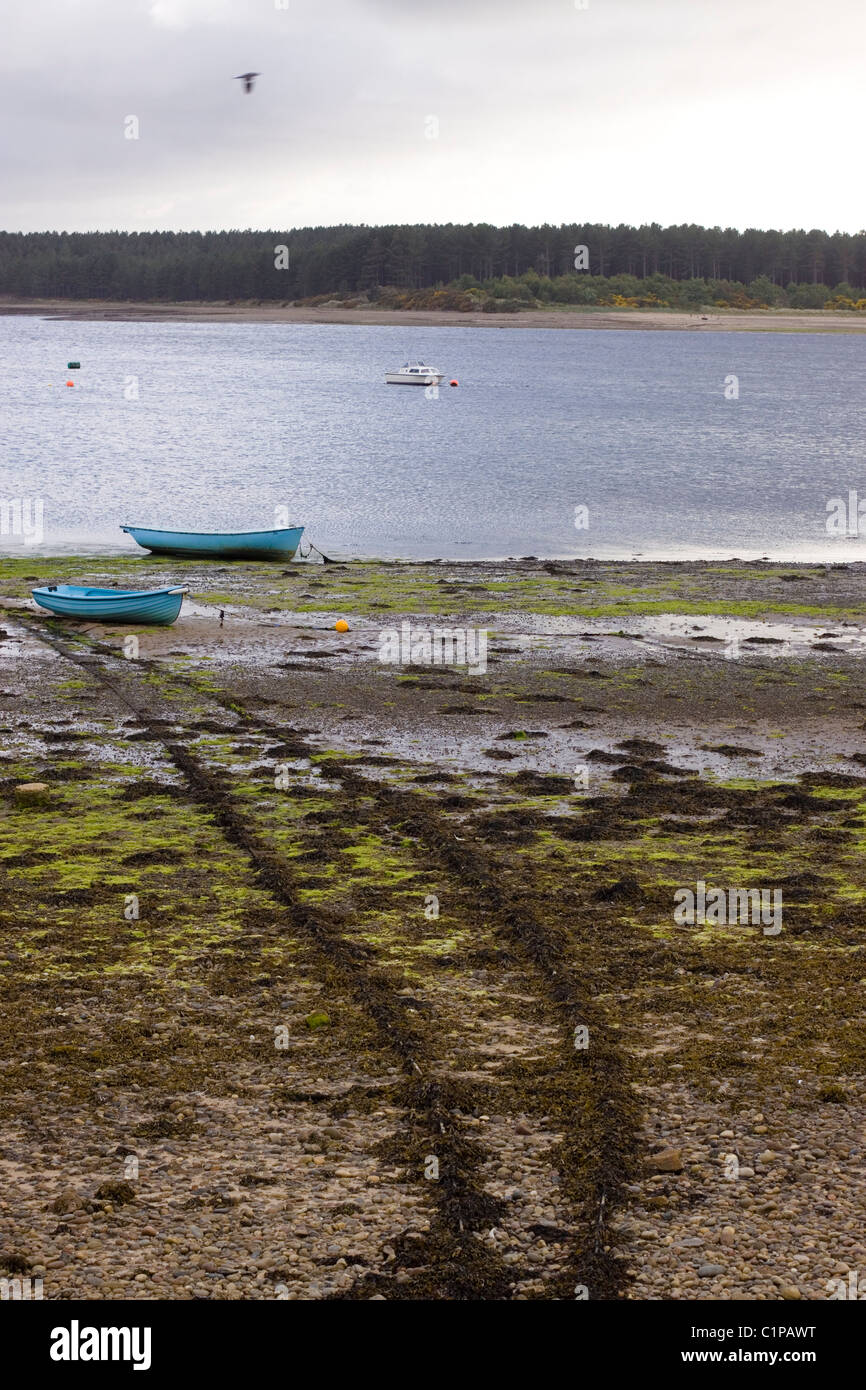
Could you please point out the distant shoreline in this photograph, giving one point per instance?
(718, 320)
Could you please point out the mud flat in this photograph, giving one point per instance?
(324, 977)
(557, 316)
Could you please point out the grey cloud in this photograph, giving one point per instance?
(623, 111)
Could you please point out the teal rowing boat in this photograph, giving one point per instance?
(160, 606)
(223, 545)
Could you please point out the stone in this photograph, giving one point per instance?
(31, 793)
(68, 1201)
(668, 1161)
(709, 1271)
(790, 1293)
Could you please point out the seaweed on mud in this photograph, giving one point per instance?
(536, 698)
(634, 772)
(587, 828)
(455, 801)
(832, 779)
(162, 855)
(540, 783)
(731, 750)
(517, 827)
(164, 1127)
(641, 746)
(29, 859)
(627, 889)
(63, 774)
(136, 791)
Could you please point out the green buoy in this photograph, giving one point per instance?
(71, 366)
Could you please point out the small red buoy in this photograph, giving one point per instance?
(70, 383)
(455, 382)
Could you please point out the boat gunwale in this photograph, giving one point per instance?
(108, 595)
(212, 535)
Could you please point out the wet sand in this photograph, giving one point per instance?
(458, 872)
(716, 320)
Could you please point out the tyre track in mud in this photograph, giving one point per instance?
(598, 1157)
(590, 1093)
(454, 1268)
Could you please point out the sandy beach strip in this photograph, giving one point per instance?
(716, 320)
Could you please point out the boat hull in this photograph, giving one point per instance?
(239, 545)
(414, 379)
(158, 607)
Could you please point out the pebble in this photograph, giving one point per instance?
(668, 1161)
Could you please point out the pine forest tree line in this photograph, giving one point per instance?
(646, 264)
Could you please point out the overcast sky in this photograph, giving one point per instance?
(736, 112)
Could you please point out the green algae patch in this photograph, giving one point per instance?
(317, 1019)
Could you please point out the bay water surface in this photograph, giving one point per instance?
(247, 426)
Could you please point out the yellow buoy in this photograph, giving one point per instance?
(341, 625)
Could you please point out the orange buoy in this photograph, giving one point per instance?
(455, 382)
(70, 383)
(341, 625)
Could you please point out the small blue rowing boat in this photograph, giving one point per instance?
(111, 605)
(238, 545)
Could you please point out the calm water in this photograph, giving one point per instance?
(233, 421)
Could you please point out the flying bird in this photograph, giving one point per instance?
(247, 79)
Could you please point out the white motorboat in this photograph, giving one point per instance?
(414, 374)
